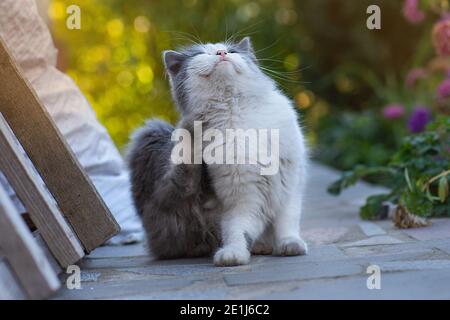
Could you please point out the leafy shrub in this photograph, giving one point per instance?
(348, 139)
(418, 175)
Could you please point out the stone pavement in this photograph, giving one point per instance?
(414, 264)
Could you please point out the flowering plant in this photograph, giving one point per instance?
(418, 175)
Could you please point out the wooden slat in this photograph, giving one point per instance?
(76, 196)
(23, 254)
(46, 216)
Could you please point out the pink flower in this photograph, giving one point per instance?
(414, 76)
(393, 111)
(412, 12)
(445, 16)
(441, 37)
(443, 90)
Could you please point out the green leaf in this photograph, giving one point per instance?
(408, 180)
(417, 202)
(443, 189)
(350, 178)
(372, 210)
(430, 196)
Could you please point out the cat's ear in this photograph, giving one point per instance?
(245, 45)
(173, 61)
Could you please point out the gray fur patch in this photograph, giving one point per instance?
(248, 240)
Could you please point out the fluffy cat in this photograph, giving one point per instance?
(227, 209)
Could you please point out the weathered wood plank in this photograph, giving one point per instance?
(46, 216)
(23, 254)
(76, 196)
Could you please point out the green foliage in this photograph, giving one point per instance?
(351, 61)
(373, 208)
(351, 139)
(418, 175)
(349, 178)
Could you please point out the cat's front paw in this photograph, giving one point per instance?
(291, 247)
(230, 256)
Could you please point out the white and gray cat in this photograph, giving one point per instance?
(229, 210)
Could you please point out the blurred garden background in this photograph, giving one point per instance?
(374, 103)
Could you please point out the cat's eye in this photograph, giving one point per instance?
(232, 51)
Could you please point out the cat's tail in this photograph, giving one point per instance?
(154, 133)
(147, 156)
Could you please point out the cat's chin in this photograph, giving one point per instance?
(222, 69)
(225, 68)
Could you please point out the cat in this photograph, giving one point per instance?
(229, 210)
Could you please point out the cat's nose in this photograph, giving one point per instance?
(221, 53)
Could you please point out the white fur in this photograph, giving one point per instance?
(236, 94)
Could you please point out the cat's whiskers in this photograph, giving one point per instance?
(281, 76)
(268, 47)
(240, 33)
(185, 36)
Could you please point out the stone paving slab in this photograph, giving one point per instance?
(294, 272)
(371, 229)
(373, 241)
(134, 250)
(123, 288)
(440, 229)
(414, 264)
(404, 285)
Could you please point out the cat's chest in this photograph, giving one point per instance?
(235, 112)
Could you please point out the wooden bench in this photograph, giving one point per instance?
(70, 216)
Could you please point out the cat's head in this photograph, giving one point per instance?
(206, 68)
